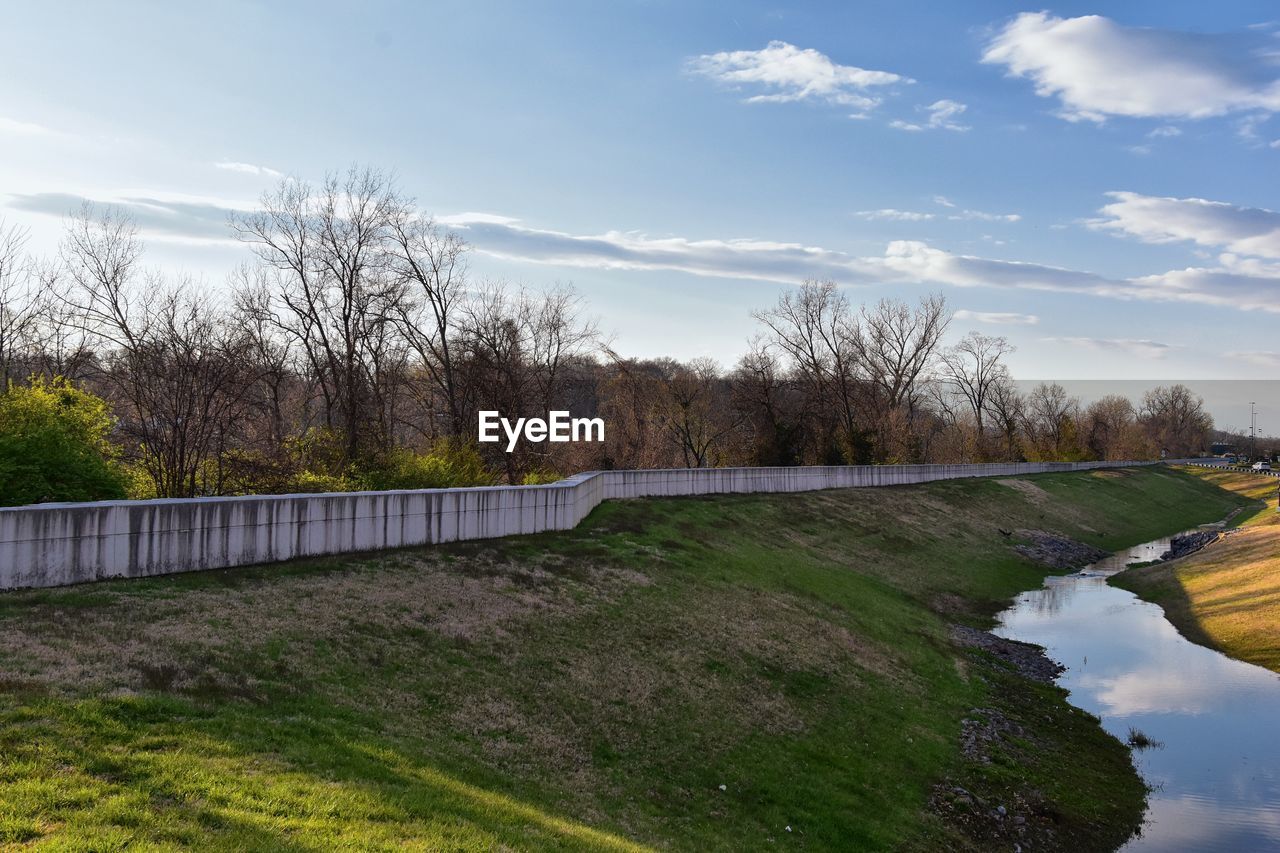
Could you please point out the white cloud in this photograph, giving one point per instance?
(941, 115)
(997, 318)
(1234, 283)
(1155, 219)
(986, 217)
(247, 169)
(1237, 282)
(893, 215)
(782, 72)
(1244, 286)
(943, 201)
(1165, 131)
(1097, 68)
(1140, 348)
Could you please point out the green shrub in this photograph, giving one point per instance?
(312, 482)
(539, 476)
(449, 464)
(54, 447)
(138, 484)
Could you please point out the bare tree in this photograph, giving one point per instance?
(337, 291)
(1008, 412)
(696, 413)
(896, 346)
(270, 352)
(1112, 429)
(431, 263)
(1175, 419)
(518, 348)
(169, 360)
(1051, 417)
(972, 368)
(19, 301)
(814, 329)
(629, 398)
(61, 344)
(101, 252)
(761, 395)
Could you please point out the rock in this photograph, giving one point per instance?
(1189, 543)
(1057, 552)
(1026, 659)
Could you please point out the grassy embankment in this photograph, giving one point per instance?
(583, 690)
(1226, 597)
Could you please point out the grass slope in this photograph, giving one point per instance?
(583, 690)
(1226, 597)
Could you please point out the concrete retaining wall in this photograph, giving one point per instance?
(57, 544)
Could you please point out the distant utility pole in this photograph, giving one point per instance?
(1253, 432)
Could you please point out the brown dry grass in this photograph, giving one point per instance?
(188, 642)
(1226, 596)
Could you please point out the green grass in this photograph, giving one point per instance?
(582, 690)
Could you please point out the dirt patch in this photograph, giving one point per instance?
(1056, 551)
(1029, 490)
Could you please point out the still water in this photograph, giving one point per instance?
(1217, 775)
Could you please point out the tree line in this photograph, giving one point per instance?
(354, 349)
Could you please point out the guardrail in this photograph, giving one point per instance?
(56, 544)
(1242, 469)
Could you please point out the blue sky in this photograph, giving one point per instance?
(1099, 189)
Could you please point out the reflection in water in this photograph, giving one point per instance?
(1217, 777)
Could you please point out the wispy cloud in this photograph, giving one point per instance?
(943, 201)
(943, 114)
(782, 72)
(1261, 358)
(1139, 347)
(1242, 286)
(1235, 282)
(1165, 131)
(14, 127)
(894, 215)
(940, 115)
(997, 318)
(982, 216)
(1097, 68)
(181, 218)
(247, 169)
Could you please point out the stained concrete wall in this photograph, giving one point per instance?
(56, 544)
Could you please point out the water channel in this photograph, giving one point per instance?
(1216, 773)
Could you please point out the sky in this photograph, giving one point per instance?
(1098, 183)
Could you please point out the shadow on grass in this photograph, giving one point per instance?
(158, 770)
